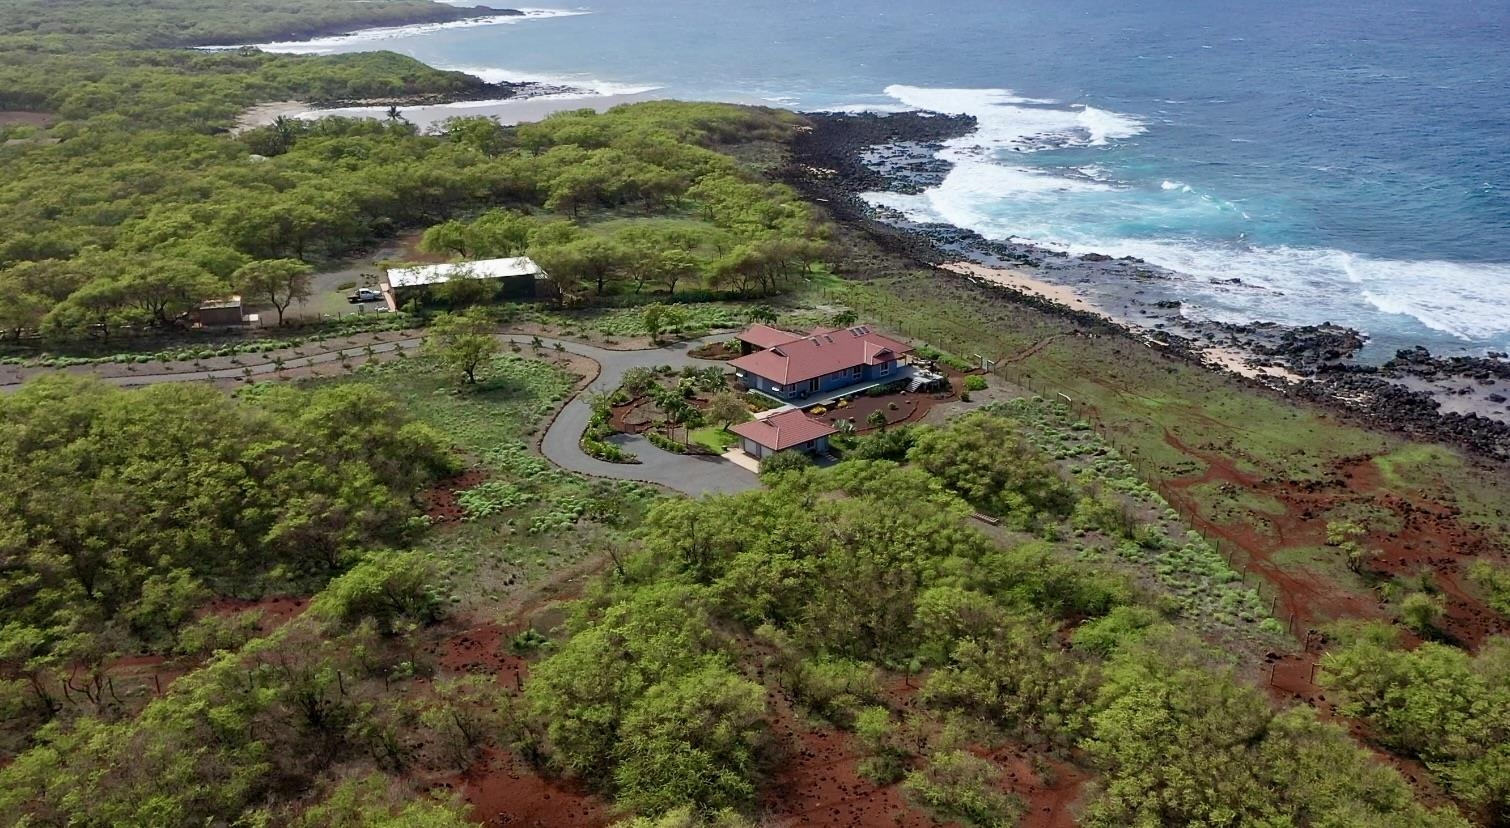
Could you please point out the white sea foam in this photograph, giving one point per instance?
(986, 191)
(1237, 283)
(863, 108)
(1009, 120)
(358, 39)
(595, 86)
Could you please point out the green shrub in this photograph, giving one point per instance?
(1494, 581)
(1421, 613)
(490, 498)
(834, 687)
(975, 382)
(390, 588)
(785, 461)
(665, 443)
(958, 786)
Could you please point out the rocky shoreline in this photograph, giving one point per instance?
(1461, 400)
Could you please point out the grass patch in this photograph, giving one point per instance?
(529, 518)
(715, 439)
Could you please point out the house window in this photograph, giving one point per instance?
(857, 371)
(885, 368)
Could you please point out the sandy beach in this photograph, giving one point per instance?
(1020, 281)
(508, 112)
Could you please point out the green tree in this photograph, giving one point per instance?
(389, 588)
(20, 309)
(279, 282)
(763, 314)
(727, 408)
(164, 289)
(653, 318)
(691, 741)
(985, 458)
(447, 238)
(785, 461)
(498, 233)
(462, 343)
(591, 260)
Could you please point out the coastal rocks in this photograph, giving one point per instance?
(872, 152)
(1461, 400)
(1309, 347)
(1419, 362)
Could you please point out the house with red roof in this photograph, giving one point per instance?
(799, 367)
(790, 430)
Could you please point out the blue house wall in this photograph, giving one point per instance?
(828, 382)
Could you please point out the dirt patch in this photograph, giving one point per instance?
(440, 501)
(500, 787)
(1050, 789)
(634, 417)
(718, 351)
(1429, 542)
(22, 117)
(818, 785)
(502, 790)
(898, 408)
(276, 610)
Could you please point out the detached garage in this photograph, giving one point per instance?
(789, 430)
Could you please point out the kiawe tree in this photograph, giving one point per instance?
(165, 288)
(462, 342)
(726, 408)
(447, 238)
(279, 282)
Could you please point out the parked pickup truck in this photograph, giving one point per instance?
(361, 295)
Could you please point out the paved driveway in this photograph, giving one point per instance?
(694, 475)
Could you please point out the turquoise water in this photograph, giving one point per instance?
(1347, 161)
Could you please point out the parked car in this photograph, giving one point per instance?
(361, 295)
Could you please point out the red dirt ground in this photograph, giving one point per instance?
(1430, 540)
(504, 791)
(276, 611)
(440, 502)
(818, 785)
(501, 788)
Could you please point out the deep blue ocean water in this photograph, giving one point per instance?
(1348, 160)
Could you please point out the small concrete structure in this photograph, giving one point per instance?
(220, 313)
(784, 431)
(517, 277)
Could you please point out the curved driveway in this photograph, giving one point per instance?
(692, 474)
(561, 444)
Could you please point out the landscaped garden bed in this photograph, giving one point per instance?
(684, 412)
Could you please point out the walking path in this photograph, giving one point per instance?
(561, 444)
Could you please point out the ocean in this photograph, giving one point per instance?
(1345, 161)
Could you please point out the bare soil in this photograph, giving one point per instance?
(1431, 541)
(439, 501)
(21, 117)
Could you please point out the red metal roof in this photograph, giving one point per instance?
(821, 354)
(779, 432)
(765, 336)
